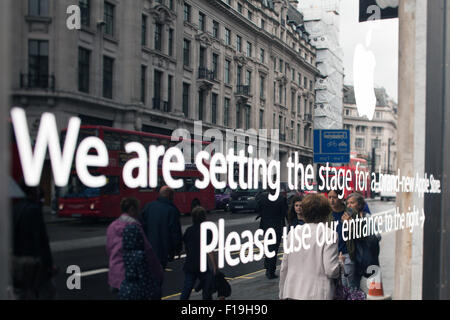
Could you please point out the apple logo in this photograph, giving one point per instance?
(383, 4)
(364, 64)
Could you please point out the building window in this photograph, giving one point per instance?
(186, 52)
(171, 7)
(201, 102)
(108, 75)
(293, 101)
(216, 29)
(298, 134)
(311, 85)
(293, 75)
(38, 7)
(157, 90)
(262, 55)
(239, 75)
(201, 21)
(378, 115)
(227, 37)
(299, 79)
(280, 94)
(171, 42)
(263, 24)
(239, 43)
(83, 69)
(202, 57)
(215, 63)
(214, 108)
(144, 30)
(38, 68)
(347, 112)
(249, 49)
(187, 12)
(360, 129)
(186, 88)
(169, 93)
(305, 82)
(292, 131)
(248, 78)
(158, 36)
(238, 116)
(227, 71)
(261, 119)
(274, 64)
(226, 112)
(239, 8)
(281, 66)
(359, 143)
(262, 88)
(85, 9)
(250, 15)
(109, 19)
(143, 83)
(299, 105)
(247, 117)
(273, 121)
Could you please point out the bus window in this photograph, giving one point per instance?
(190, 185)
(126, 138)
(112, 140)
(76, 189)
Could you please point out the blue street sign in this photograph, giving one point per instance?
(331, 146)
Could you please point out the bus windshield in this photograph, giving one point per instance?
(76, 189)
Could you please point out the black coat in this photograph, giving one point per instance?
(272, 213)
(161, 223)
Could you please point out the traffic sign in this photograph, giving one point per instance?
(331, 146)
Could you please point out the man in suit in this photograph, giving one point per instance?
(273, 215)
(161, 221)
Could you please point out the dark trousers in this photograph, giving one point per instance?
(189, 284)
(270, 264)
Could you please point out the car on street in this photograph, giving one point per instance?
(243, 200)
(223, 197)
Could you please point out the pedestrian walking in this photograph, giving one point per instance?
(364, 251)
(161, 221)
(338, 210)
(309, 274)
(272, 215)
(294, 215)
(32, 261)
(134, 269)
(191, 267)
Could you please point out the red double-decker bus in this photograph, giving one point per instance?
(77, 200)
(364, 173)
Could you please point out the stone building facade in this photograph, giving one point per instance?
(155, 66)
(380, 133)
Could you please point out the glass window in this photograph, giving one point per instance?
(227, 36)
(186, 52)
(38, 67)
(226, 112)
(186, 88)
(201, 21)
(249, 49)
(112, 186)
(261, 119)
(108, 73)
(112, 140)
(171, 42)
(109, 19)
(38, 7)
(227, 71)
(187, 12)
(84, 56)
(158, 36)
(215, 62)
(239, 43)
(215, 29)
(214, 108)
(144, 30)
(85, 9)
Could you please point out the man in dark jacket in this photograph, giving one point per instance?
(273, 215)
(161, 222)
